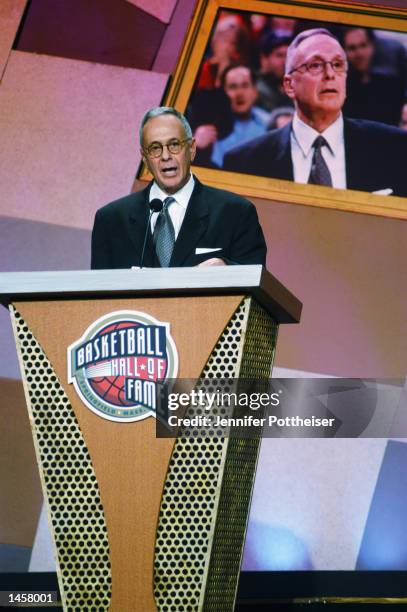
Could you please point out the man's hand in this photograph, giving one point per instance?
(205, 136)
(214, 261)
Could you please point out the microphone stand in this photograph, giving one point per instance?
(155, 206)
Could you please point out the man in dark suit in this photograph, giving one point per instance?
(199, 225)
(321, 146)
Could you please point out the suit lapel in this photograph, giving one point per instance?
(282, 164)
(353, 158)
(193, 226)
(362, 171)
(137, 224)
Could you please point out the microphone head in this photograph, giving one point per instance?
(156, 205)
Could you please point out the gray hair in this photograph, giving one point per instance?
(299, 39)
(157, 111)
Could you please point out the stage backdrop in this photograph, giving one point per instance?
(74, 87)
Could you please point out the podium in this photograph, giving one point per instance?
(141, 522)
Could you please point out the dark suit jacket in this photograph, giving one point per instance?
(213, 219)
(376, 156)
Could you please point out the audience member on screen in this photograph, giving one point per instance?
(269, 81)
(248, 120)
(230, 44)
(390, 56)
(370, 94)
(192, 224)
(321, 146)
(283, 26)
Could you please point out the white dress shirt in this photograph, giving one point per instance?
(178, 208)
(302, 151)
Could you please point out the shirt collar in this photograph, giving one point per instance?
(182, 196)
(250, 117)
(305, 135)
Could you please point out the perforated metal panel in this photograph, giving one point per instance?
(239, 471)
(207, 492)
(69, 481)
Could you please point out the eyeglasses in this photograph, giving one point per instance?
(317, 66)
(174, 146)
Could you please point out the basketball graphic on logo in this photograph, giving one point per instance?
(116, 365)
(111, 389)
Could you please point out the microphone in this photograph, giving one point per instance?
(155, 206)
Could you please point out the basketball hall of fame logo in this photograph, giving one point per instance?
(117, 364)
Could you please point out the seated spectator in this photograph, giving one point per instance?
(370, 95)
(259, 23)
(280, 117)
(210, 107)
(269, 81)
(248, 122)
(230, 44)
(390, 57)
(283, 26)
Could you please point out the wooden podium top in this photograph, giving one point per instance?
(281, 304)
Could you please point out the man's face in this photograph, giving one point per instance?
(274, 62)
(170, 171)
(241, 91)
(320, 95)
(359, 49)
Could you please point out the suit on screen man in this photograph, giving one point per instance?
(209, 226)
(321, 146)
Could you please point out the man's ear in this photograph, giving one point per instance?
(288, 86)
(143, 156)
(145, 160)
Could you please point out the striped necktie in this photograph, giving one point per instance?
(319, 174)
(164, 234)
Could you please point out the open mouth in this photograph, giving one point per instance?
(329, 91)
(169, 171)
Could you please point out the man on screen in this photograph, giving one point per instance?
(321, 146)
(248, 120)
(193, 224)
(371, 94)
